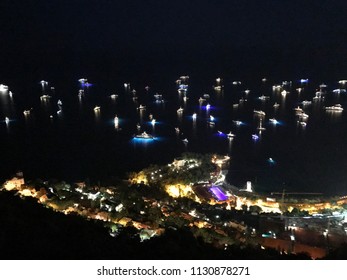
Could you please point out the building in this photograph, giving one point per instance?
(14, 184)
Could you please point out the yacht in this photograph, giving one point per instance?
(26, 112)
(255, 137)
(235, 83)
(3, 87)
(59, 103)
(261, 113)
(45, 97)
(182, 90)
(217, 88)
(185, 98)
(306, 102)
(247, 91)
(144, 135)
(335, 108)
(298, 110)
(97, 109)
(141, 107)
(194, 116)
(180, 110)
(185, 141)
(158, 96)
(303, 124)
(273, 121)
(236, 105)
(237, 123)
(284, 92)
(83, 80)
(201, 100)
(7, 120)
(263, 97)
(230, 135)
(206, 96)
(113, 96)
(116, 121)
(177, 130)
(208, 107)
(276, 105)
(153, 122)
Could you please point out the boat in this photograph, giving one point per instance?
(303, 115)
(208, 107)
(83, 80)
(97, 109)
(306, 102)
(230, 135)
(7, 120)
(43, 82)
(211, 118)
(201, 100)
(59, 103)
(303, 124)
(206, 96)
(45, 97)
(276, 105)
(157, 96)
(217, 88)
(298, 110)
(263, 97)
(339, 90)
(237, 123)
(236, 105)
(144, 135)
(177, 130)
(153, 122)
(185, 98)
(194, 116)
(26, 112)
(116, 121)
(114, 96)
(3, 87)
(141, 107)
(255, 137)
(247, 91)
(185, 141)
(273, 121)
(261, 113)
(184, 78)
(235, 83)
(335, 108)
(182, 90)
(180, 110)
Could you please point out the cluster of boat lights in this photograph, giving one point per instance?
(182, 88)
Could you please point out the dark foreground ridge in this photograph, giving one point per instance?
(30, 231)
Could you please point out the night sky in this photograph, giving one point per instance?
(311, 33)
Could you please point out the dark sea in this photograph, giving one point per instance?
(77, 143)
